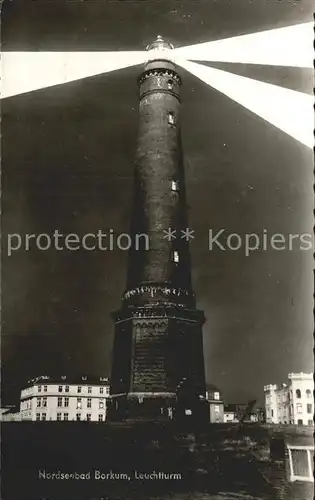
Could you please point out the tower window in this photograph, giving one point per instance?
(171, 118)
(170, 85)
(176, 256)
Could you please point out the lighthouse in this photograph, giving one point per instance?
(157, 361)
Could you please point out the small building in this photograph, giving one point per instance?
(216, 405)
(233, 413)
(10, 414)
(65, 398)
(291, 402)
(230, 413)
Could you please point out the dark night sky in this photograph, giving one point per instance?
(67, 161)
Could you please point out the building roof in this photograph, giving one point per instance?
(9, 409)
(230, 408)
(211, 387)
(68, 379)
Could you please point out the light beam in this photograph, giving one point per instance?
(26, 71)
(289, 46)
(289, 110)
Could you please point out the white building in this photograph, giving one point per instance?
(216, 406)
(291, 403)
(62, 398)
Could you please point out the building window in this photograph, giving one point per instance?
(60, 388)
(300, 422)
(171, 118)
(188, 412)
(309, 408)
(39, 388)
(58, 416)
(170, 85)
(216, 396)
(79, 403)
(37, 416)
(88, 417)
(38, 402)
(45, 388)
(66, 402)
(176, 256)
(174, 186)
(310, 422)
(298, 393)
(79, 388)
(101, 390)
(78, 416)
(45, 402)
(101, 417)
(66, 388)
(299, 408)
(101, 403)
(107, 390)
(89, 390)
(272, 413)
(217, 408)
(66, 416)
(43, 416)
(308, 393)
(59, 402)
(89, 403)
(301, 459)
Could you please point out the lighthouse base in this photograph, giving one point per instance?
(156, 407)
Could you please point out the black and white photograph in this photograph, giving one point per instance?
(157, 250)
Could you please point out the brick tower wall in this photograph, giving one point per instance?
(158, 162)
(158, 330)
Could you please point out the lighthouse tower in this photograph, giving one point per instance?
(158, 364)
